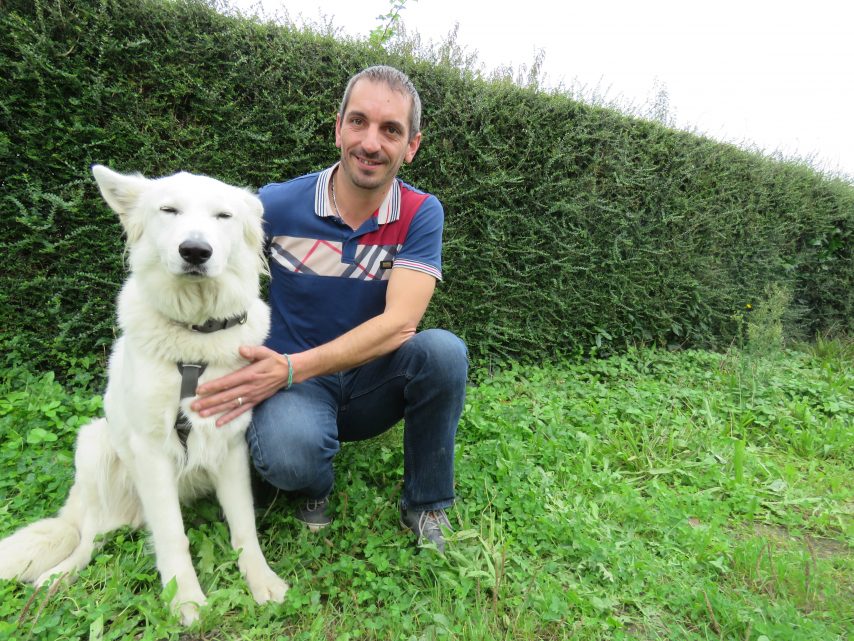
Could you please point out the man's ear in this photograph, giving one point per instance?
(121, 192)
(338, 131)
(413, 147)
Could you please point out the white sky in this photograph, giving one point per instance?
(777, 75)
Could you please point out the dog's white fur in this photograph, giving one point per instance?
(130, 466)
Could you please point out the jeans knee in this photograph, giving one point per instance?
(443, 356)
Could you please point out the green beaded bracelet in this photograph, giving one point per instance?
(290, 372)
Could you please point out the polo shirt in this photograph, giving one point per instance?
(327, 278)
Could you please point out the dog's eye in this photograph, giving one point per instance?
(223, 215)
(169, 210)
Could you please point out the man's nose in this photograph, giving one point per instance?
(371, 141)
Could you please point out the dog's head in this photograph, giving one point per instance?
(191, 226)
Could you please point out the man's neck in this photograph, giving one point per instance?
(353, 205)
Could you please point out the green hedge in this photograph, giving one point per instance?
(568, 226)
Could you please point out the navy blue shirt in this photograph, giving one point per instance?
(328, 278)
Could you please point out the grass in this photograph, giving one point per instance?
(654, 495)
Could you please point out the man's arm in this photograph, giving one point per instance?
(408, 294)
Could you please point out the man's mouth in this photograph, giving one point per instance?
(367, 162)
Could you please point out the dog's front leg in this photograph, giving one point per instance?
(156, 481)
(234, 491)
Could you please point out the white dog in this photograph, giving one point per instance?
(195, 254)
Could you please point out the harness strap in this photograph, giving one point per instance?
(190, 374)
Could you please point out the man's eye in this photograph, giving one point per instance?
(168, 210)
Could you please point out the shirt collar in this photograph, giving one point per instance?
(388, 211)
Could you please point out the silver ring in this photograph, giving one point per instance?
(239, 401)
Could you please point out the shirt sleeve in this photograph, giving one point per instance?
(422, 248)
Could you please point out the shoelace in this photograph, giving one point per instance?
(432, 520)
(313, 505)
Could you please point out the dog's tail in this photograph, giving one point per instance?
(64, 543)
(34, 549)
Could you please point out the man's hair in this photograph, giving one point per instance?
(397, 81)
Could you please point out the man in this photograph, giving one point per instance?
(356, 254)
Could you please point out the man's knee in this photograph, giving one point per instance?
(442, 352)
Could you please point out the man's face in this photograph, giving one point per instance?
(373, 135)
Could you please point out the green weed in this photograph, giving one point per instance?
(655, 495)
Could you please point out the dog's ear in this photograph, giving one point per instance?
(253, 231)
(253, 204)
(121, 192)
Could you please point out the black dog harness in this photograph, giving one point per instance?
(191, 372)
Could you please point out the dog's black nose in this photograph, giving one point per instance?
(195, 252)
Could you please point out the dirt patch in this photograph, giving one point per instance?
(818, 546)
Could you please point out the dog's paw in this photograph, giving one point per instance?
(53, 577)
(267, 586)
(189, 613)
(187, 607)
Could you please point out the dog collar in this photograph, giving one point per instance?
(215, 324)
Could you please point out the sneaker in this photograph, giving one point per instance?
(426, 525)
(315, 513)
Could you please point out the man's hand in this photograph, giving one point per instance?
(242, 390)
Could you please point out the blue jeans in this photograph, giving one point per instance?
(296, 433)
